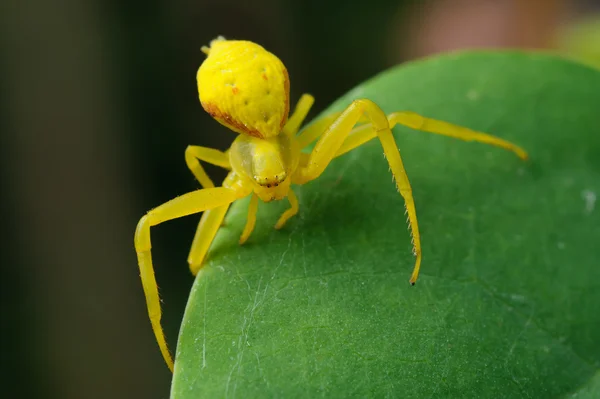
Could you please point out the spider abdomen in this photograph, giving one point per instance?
(244, 87)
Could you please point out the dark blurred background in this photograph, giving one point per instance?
(98, 101)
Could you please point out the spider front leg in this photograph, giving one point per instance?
(333, 138)
(210, 223)
(187, 204)
(251, 221)
(212, 219)
(253, 208)
(290, 212)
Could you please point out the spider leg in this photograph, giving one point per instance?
(333, 138)
(210, 222)
(187, 204)
(290, 212)
(293, 123)
(206, 227)
(251, 222)
(362, 134)
(194, 154)
(316, 129)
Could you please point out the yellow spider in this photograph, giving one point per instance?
(246, 88)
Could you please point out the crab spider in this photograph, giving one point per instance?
(246, 88)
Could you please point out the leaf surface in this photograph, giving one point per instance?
(507, 304)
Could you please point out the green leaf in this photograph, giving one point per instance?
(581, 40)
(507, 304)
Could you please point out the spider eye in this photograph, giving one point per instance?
(271, 180)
